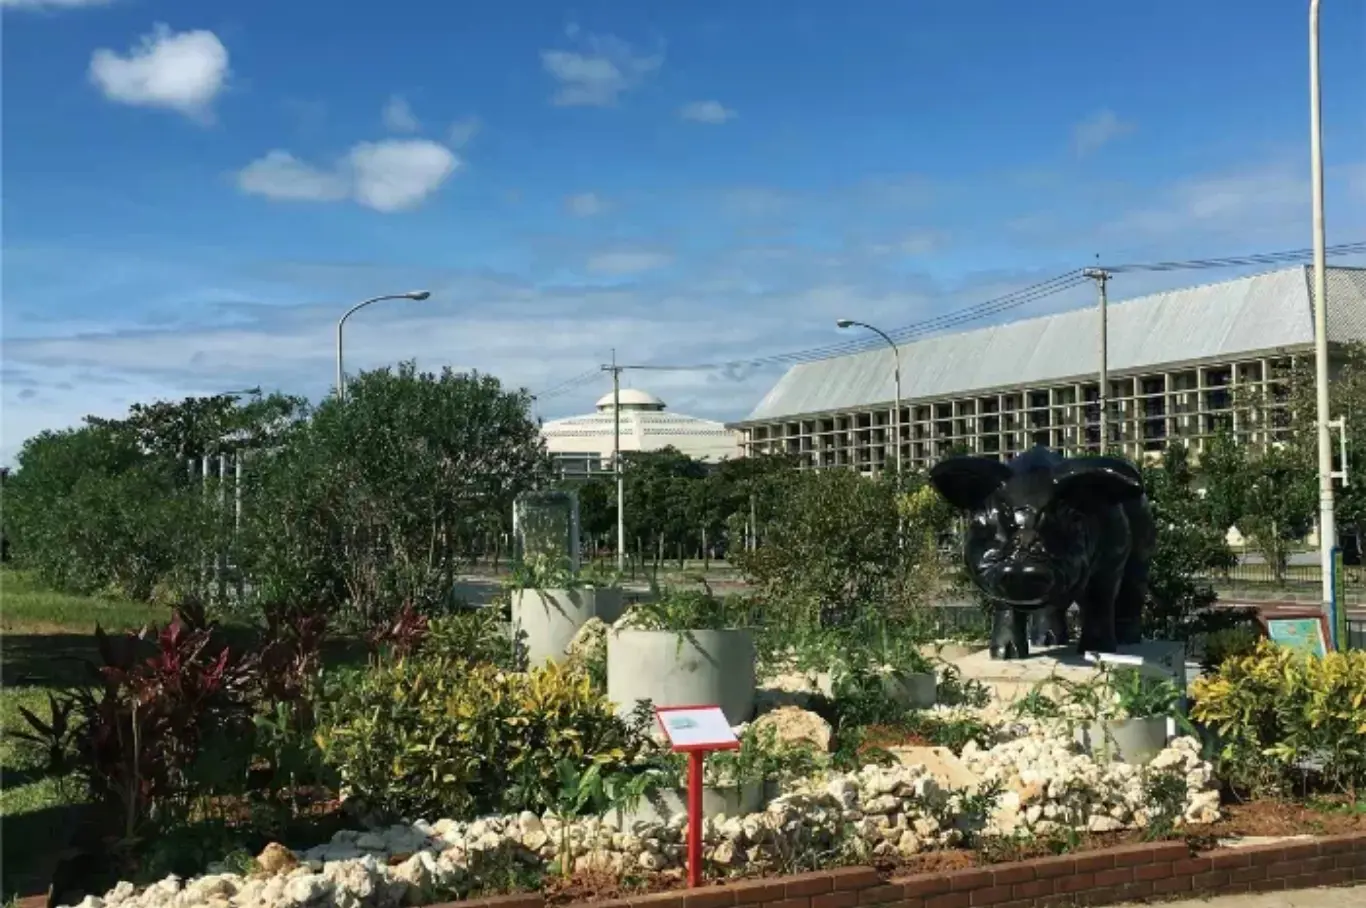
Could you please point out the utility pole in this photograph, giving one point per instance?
(1328, 531)
(1101, 277)
(616, 461)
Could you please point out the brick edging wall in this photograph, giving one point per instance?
(1131, 872)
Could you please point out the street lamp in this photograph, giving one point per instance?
(1327, 524)
(417, 295)
(896, 374)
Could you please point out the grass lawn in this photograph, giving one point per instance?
(43, 637)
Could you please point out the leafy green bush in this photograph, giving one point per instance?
(1221, 645)
(692, 610)
(842, 546)
(365, 507)
(439, 737)
(1286, 720)
(474, 637)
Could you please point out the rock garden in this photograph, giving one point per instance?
(459, 772)
(369, 747)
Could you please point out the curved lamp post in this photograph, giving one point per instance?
(418, 295)
(896, 374)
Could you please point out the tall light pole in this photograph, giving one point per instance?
(418, 295)
(1328, 534)
(1101, 277)
(896, 375)
(616, 462)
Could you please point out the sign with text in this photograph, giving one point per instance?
(696, 728)
(1307, 634)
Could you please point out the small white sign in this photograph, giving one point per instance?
(702, 727)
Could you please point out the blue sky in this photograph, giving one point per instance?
(193, 192)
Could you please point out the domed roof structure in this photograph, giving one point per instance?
(582, 445)
(631, 399)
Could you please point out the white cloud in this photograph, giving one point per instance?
(51, 4)
(398, 116)
(462, 132)
(388, 176)
(394, 175)
(628, 261)
(706, 112)
(280, 175)
(585, 204)
(180, 71)
(1098, 130)
(599, 73)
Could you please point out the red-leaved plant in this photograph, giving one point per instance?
(140, 732)
(400, 635)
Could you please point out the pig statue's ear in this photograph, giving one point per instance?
(1098, 480)
(965, 482)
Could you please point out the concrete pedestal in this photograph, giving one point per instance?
(1010, 679)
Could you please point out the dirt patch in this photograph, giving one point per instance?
(883, 737)
(1328, 816)
(602, 887)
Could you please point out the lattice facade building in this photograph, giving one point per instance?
(1182, 365)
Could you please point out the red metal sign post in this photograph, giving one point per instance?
(695, 730)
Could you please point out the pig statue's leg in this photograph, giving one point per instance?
(1097, 605)
(1050, 626)
(1009, 633)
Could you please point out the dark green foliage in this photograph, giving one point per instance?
(842, 546)
(365, 505)
(1190, 548)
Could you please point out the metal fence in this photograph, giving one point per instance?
(1292, 575)
(1356, 634)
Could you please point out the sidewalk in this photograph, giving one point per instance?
(1355, 897)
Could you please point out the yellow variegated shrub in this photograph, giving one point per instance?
(1286, 720)
(439, 737)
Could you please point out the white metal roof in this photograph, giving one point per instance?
(1239, 317)
(630, 397)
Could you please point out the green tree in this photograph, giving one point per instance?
(1190, 547)
(199, 426)
(365, 506)
(89, 511)
(1267, 491)
(842, 547)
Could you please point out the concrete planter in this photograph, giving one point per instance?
(663, 804)
(691, 668)
(545, 621)
(913, 690)
(1134, 741)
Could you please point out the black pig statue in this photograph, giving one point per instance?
(1045, 531)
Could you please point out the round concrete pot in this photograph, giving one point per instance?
(913, 690)
(682, 668)
(544, 622)
(663, 804)
(1134, 741)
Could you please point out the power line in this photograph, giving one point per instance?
(568, 385)
(1013, 300)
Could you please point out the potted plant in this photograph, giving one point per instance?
(684, 648)
(734, 782)
(869, 651)
(550, 602)
(1138, 723)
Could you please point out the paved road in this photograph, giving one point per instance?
(1354, 897)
